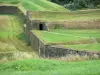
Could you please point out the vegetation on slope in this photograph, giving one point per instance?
(37, 5)
(68, 16)
(11, 30)
(78, 4)
(85, 47)
(13, 43)
(50, 67)
(60, 35)
(72, 38)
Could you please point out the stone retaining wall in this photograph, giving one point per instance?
(10, 10)
(50, 51)
(33, 25)
(4, 9)
(67, 24)
(37, 44)
(55, 51)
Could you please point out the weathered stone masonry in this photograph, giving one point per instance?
(51, 51)
(11, 10)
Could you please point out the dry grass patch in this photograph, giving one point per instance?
(4, 22)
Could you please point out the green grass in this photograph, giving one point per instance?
(37, 5)
(50, 67)
(91, 33)
(72, 38)
(68, 16)
(59, 35)
(86, 47)
(12, 38)
(8, 29)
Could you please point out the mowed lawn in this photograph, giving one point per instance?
(66, 16)
(50, 67)
(72, 38)
(37, 5)
(85, 47)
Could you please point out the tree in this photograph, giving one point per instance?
(78, 4)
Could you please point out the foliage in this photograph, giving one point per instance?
(78, 4)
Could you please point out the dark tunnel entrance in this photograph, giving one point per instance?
(41, 26)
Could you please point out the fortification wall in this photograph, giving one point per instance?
(92, 24)
(50, 51)
(56, 51)
(8, 10)
(68, 24)
(33, 25)
(37, 44)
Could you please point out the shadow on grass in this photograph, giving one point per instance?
(22, 37)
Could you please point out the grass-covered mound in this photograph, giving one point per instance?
(87, 15)
(37, 5)
(50, 67)
(72, 38)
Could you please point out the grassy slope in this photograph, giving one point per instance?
(52, 37)
(37, 5)
(67, 36)
(42, 67)
(68, 16)
(87, 47)
(12, 39)
(50, 67)
(7, 28)
(60, 35)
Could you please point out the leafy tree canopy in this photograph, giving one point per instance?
(78, 4)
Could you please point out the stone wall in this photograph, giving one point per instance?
(55, 51)
(50, 51)
(9, 10)
(37, 44)
(33, 25)
(67, 24)
(92, 24)
(4, 9)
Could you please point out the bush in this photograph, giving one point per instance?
(98, 6)
(91, 6)
(78, 4)
(72, 6)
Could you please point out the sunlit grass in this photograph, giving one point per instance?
(50, 67)
(68, 16)
(37, 5)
